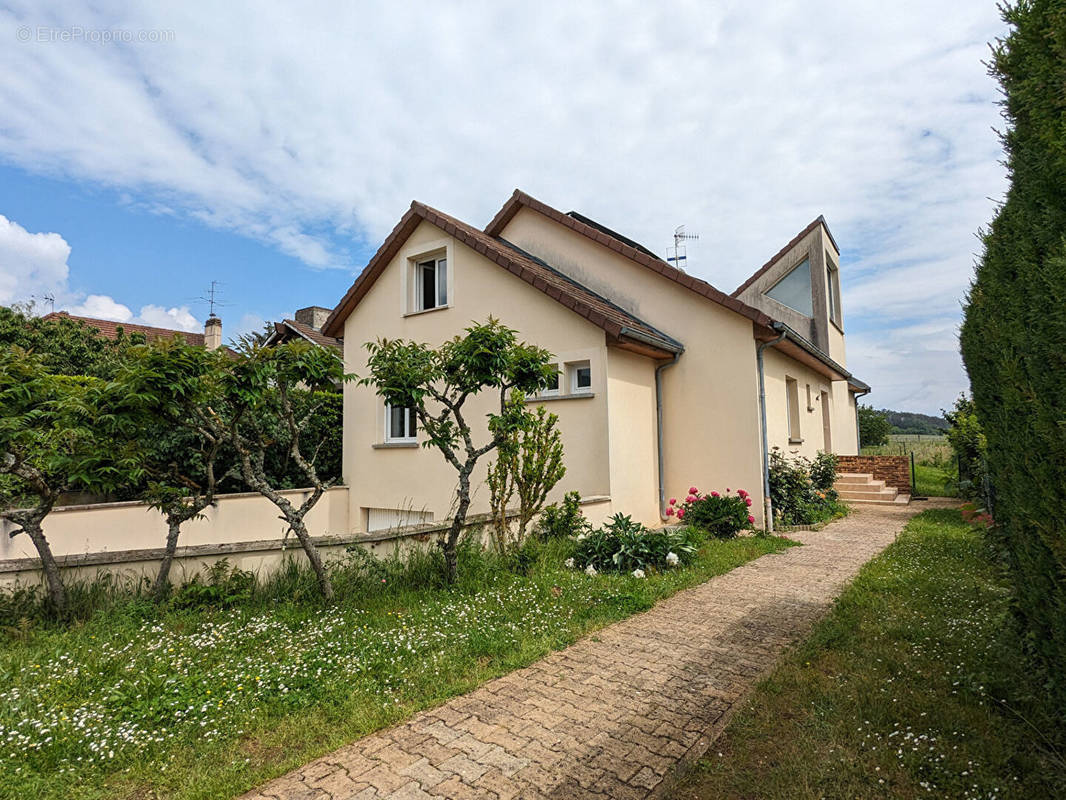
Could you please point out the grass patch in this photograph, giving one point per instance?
(137, 701)
(933, 481)
(913, 687)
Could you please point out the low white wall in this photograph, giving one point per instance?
(126, 539)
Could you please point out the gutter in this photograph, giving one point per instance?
(858, 430)
(659, 431)
(767, 509)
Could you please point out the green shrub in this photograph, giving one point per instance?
(623, 545)
(794, 494)
(721, 515)
(221, 585)
(561, 521)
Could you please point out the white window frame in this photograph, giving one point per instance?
(573, 369)
(558, 385)
(792, 410)
(411, 427)
(440, 275)
(833, 290)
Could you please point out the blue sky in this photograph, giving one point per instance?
(147, 151)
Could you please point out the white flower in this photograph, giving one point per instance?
(638, 573)
(672, 559)
(617, 558)
(582, 536)
(591, 571)
(569, 563)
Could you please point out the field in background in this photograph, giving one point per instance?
(935, 468)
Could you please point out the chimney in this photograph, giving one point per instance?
(313, 316)
(213, 333)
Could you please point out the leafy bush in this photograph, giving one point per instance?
(623, 545)
(874, 427)
(721, 515)
(967, 440)
(794, 494)
(221, 585)
(561, 521)
(824, 471)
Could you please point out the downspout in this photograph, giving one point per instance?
(659, 425)
(767, 510)
(858, 428)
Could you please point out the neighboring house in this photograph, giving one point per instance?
(636, 340)
(211, 338)
(307, 325)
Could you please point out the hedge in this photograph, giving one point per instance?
(1014, 333)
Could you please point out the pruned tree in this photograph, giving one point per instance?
(261, 414)
(57, 434)
(437, 383)
(528, 465)
(174, 386)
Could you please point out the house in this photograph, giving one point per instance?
(211, 338)
(665, 381)
(307, 325)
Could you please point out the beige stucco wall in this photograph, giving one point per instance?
(420, 478)
(632, 431)
(710, 397)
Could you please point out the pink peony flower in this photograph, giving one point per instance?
(742, 493)
(751, 519)
(715, 494)
(673, 501)
(680, 513)
(669, 512)
(693, 490)
(728, 489)
(747, 501)
(690, 499)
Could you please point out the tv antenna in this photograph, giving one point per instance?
(680, 257)
(212, 297)
(50, 299)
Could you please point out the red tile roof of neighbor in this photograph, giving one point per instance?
(618, 323)
(309, 333)
(109, 328)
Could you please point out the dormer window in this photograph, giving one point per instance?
(794, 290)
(834, 293)
(431, 284)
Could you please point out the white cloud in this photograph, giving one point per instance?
(31, 264)
(743, 121)
(34, 265)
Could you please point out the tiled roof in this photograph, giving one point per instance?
(309, 333)
(618, 324)
(109, 328)
(631, 250)
(777, 256)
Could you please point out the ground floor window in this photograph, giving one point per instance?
(792, 396)
(400, 424)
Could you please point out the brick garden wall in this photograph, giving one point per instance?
(895, 471)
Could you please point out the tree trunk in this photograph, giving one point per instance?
(449, 545)
(162, 579)
(324, 583)
(56, 591)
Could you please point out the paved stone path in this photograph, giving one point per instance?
(613, 715)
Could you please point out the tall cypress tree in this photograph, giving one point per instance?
(1014, 334)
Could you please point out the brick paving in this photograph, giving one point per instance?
(615, 714)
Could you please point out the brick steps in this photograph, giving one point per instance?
(861, 487)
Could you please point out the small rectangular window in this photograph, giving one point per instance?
(792, 397)
(400, 424)
(431, 277)
(580, 377)
(833, 275)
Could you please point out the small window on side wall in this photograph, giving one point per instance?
(400, 424)
(580, 377)
(431, 284)
(792, 398)
(833, 274)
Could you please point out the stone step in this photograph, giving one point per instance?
(849, 482)
(888, 495)
(854, 476)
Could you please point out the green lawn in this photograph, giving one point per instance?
(913, 687)
(137, 702)
(933, 481)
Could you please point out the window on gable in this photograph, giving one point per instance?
(431, 284)
(834, 292)
(792, 397)
(794, 290)
(400, 424)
